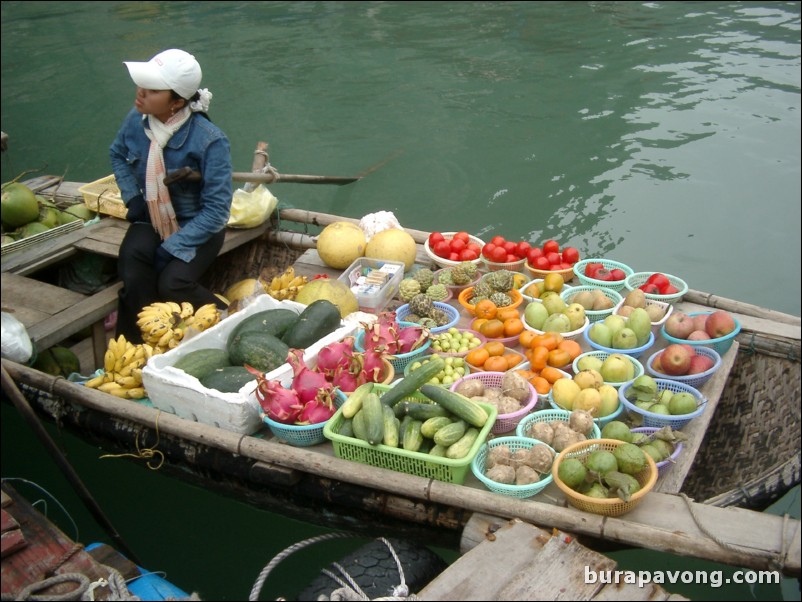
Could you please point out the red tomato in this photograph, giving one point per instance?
(649, 288)
(498, 240)
(533, 254)
(487, 250)
(570, 255)
(659, 280)
(669, 290)
(565, 266)
(434, 238)
(512, 258)
(603, 274)
(553, 258)
(499, 255)
(617, 274)
(541, 263)
(592, 268)
(453, 256)
(475, 247)
(442, 248)
(510, 247)
(551, 246)
(463, 236)
(522, 249)
(458, 244)
(468, 254)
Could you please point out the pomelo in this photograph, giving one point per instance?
(32, 228)
(340, 243)
(332, 290)
(19, 205)
(393, 245)
(81, 211)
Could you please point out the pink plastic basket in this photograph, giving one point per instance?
(504, 422)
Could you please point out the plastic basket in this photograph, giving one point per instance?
(447, 263)
(550, 416)
(663, 466)
(633, 281)
(616, 285)
(408, 368)
(667, 307)
(593, 315)
(297, 435)
(414, 463)
(455, 289)
(651, 419)
(453, 313)
(571, 334)
(634, 352)
(466, 294)
(402, 359)
(479, 336)
(721, 344)
(103, 196)
(512, 266)
(518, 366)
(602, 421)
(567, 274)
(504, 422)
(694, 380)
(603, 355)
(604, 506)
(514, 443)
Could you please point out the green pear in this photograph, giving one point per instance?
(557, 323)
(609, 400)
(614, 323)
(616, 368)
(576, 315)
(553, 304)
(625, 339)
(600, 334)
(535, 314)
(589, 362)
(682, 403)
(641, 324)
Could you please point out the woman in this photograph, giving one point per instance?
(176, 231)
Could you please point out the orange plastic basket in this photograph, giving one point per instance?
(466, 294)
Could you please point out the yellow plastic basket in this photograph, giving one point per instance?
(605, 506)
(103, 196)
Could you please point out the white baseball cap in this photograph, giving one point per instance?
(169, 70)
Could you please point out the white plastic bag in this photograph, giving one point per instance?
(251, 209)
(16, 344)
(373, 223)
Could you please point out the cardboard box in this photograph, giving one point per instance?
(177, 392)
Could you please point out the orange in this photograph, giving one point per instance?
(477, 356)
(551, 374)
(485, 309)
(558, 358)
(527, 374)
(477, 324)
(541, 385)
(496, 363)
(495, 348)
(526, 339)
(513, 359)
(492, 329)
(572, 347)
(549, 340)
(506, 313)
(513, 327)
(538, 357)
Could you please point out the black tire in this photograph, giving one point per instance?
(373, 567)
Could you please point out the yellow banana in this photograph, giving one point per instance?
(148, 350)
(112, 346)
(287, 277)
(122, 392)
(297, 281)
(174, 307)
(109, 387)
(137, 374)
(94, 383)
(275, 283)
(165, 338)
(136, 393)
(178, 333)
(109, 360)
(129, 368)
(127, 381)
(186, 309)
(172, 343)
(121, 343)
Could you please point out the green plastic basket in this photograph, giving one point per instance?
(414, 463)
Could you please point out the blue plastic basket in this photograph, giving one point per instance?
(635, 352)
(663, 466)
(594, 316)
(550, 416)
(603, 355)
(297, 435)
(721, 344)
(453, 313)
(633, 281)
(660, 420)
(399, 361)
(514, 443)
(694, 380)
(600, 421)
(617, 285)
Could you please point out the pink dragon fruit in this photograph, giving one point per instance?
(317, 410)
(335, 356)
(306, 382)
(280, 404)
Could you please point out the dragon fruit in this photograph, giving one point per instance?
(317, 410)
(280, 404)
(306, 382)
(387, 335)
(332, 358)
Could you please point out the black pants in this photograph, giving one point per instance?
(176, 282)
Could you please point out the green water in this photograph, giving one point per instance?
(663, 134)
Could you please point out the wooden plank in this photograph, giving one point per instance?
(8, 521)
(11, 542)
(20, 291)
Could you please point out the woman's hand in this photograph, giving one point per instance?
(137, 210)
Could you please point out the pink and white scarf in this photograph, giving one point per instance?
(160, 207)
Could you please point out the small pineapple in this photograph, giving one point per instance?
(476, 298)
(482, 289)
(409, 288)
(500, 280)
(421, 304)
(501, 299)
(425, 277)
(470, 268)
(428, 323)
(440, 316)
(438, 292)
(459, 275)
(444, 277)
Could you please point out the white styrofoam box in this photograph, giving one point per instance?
(175, 391)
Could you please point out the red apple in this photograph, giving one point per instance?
(699, 321)
(675, 360)
(656, 362)
(720, 323)
(700, 363)
(679, 325)
(698, 335)
(690, 348)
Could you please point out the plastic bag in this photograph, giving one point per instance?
(373, 223)
(251, 209)
(16, 344)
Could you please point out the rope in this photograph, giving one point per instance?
(777, 562)
(145, 454)
(30, 592)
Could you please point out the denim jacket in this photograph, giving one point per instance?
(202, 208)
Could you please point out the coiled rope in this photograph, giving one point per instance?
(349, 589)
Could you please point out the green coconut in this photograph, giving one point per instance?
(80, 211)
(19, 205)
(33, 228)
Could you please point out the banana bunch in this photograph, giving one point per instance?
(122, 364)
(286, 285)
(163, 324)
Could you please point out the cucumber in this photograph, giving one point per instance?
(374, 418)
(354, 402)
(461, 448)
(347, 428)
(318, 319)
(411, 383)
(438, 450)
(451, 433)
(200, 362)
(432, 425)
(412, 437)
(459, 405)
(391, 427)
(424, 411)
(272, 321)
(358, 425)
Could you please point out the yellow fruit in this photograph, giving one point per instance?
(331, 290)
(340, 243)
(564, 391)
(393, 245)
(243, 289)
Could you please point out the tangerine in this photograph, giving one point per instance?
(496, 363)
(485, 309)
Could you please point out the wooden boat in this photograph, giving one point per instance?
(750, 435)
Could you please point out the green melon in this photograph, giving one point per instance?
(19, 205)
